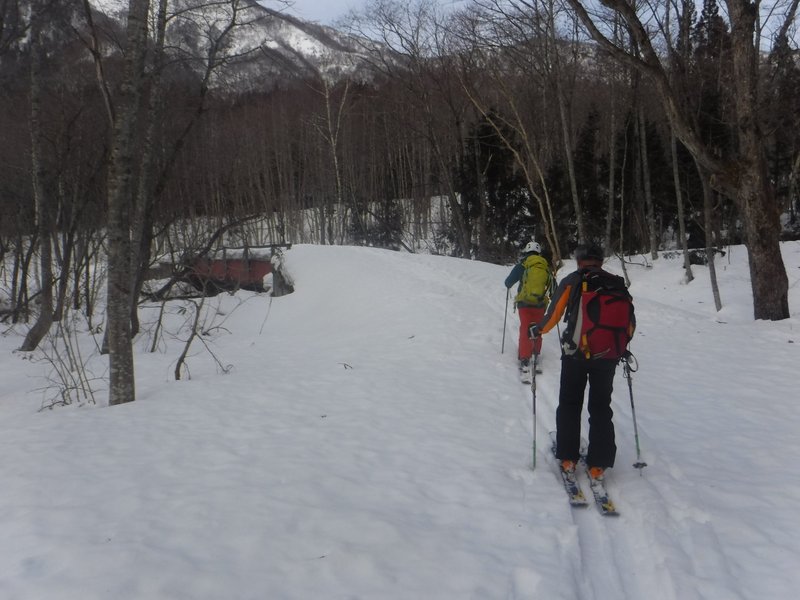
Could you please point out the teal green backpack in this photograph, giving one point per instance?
(534, 288)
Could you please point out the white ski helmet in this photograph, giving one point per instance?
(532, 247)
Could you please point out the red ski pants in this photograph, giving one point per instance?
(527, 316)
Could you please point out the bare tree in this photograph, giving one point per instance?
(493, 43)
(742, 174)
(553, 65)
(708, 226)
(676, 178)
(329, 127)
(613, 109)
(42, 196)
(648, 189)
(221, 18)
(120, 200)
(678, 68)
(414, 55)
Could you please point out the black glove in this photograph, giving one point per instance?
(534, 332)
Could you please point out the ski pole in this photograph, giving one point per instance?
(505, 318)
(533, 405)
(627, 370)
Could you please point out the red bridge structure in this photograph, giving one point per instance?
(234, 268)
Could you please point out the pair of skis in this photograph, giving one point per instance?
(570, 479)
(573, 488)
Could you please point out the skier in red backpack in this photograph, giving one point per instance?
(599, 326)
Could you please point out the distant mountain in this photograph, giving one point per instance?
(264, 46)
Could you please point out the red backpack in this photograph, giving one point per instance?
(600, 315)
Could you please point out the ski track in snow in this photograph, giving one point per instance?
(606, 560)
(370, 441)
(620, 557)
(630, 562)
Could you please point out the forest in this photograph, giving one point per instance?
(647, 127)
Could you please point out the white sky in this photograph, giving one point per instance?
(321, 11)
(328, 11)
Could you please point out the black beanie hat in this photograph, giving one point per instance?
(589, 251)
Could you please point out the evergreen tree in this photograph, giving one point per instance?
(494, 189)
(591, 170)
(782, 114)
(711, 72)
(710, 77)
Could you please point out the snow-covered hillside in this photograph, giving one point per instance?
(266, 44)
(369, 440)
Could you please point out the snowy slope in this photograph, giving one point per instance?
(267, 44)
(370, 441)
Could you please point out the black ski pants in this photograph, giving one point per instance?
(575, 372)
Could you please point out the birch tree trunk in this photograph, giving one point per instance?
(648, 190)
(568, 150)
(622, 212)
(42, 197)
(709, 228)
(330, 130)
(483, 198)
(144, 195)
(120, 199)
(684, 25)
(566, 124)
(687, 265)
(612, 149)
(612, 169)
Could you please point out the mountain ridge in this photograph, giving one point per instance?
(264, 47)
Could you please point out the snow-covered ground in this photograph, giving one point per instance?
(368, 440)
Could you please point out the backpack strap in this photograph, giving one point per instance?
(572, 314)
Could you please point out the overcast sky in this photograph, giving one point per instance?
(321, 11)
(328, 11)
